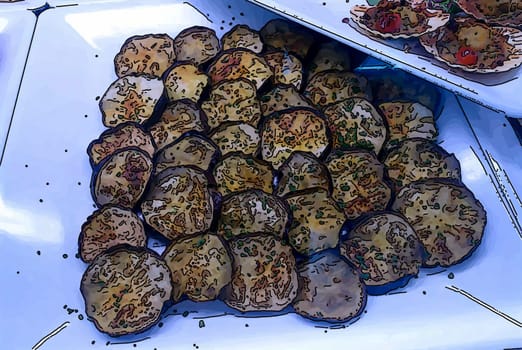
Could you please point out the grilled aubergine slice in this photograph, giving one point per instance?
(232, 100)
(150, 54)
(408, 120)
(234, 136)
(329, 289)
(418, 159)
(358, 185)
(179, 202)
(107, 227)
(282, 97)
(301, 171)
(125, 289)
(330, 55)
(252, 211)
(132, 98)
(385, 249)
(190, 149)
(240, 63)
(446, 216)
(178, 118)
(298, 129)
(332, 86)
(238, 172)
(184, 80)
(124, 135)
(316, 221)
(196, 44)
(263, 276)
(242, 36)
(200, 267)
(355, 123)
(288, 36)
(121, 178)
(287, 68)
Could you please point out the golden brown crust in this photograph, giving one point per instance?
(150, 54)
(185, 80)
(447, 218)
(264, 277)
(125, 290)
(230, 137)
(196, 44)
(287, 68)
(282, 97)
(200, 267)
(242, 36)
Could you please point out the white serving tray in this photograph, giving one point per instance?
(499, 92)
(45, 198)
(16, 28)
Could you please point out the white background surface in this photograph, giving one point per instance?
(45, 160)
(326, 16)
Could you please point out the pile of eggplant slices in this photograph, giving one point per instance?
(272, 177)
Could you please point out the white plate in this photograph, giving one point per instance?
(16, 28)
(44, 199)
(496, 91)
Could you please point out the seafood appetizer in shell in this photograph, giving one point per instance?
(503, 12)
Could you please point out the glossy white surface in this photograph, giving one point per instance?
(45, 198)
(16, 28)
(500, 91)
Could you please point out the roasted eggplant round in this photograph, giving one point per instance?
(196, 44)
(288, 36)
(233, 136)
(287, 68)
(242, 36)
(184, 80)
(282, 97)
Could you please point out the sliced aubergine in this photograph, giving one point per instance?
(200, 267)
(178, 118)
(190, 149)
(150, 54)
(184, 80)
(232, 100)
(125, 290)
(108, 227)
(356, 123)
(329, 289)
(316, 223)
(264, 277)
(242, 36)
(282, 97)
(287, 68)
(418, 159)
(358, 185)
(446, 216)
(301, 171)
(196, 44)
(330, 55)
(408, 120)
(252, 211)
(298, 129)
(385, 249)
(332, 86)
(179, 202)
(132, 98)
(236, 136)
(288, 36)
(238, 172)
(240, 63)
(121, 178)
(124, 135)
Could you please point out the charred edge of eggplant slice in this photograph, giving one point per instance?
(263, 87)
(159, 107)
(188, 31)
(280, 200)
(227, 124)
(262, 95)
(460, 184)
(246, 27)
(201, 135)
(110, 131)
(321, 164)
(100, 165)
(166, 305)
(334, 251)
(191, 104)
(139, 37)
(92, 216)
(318, 113)
(176, 64)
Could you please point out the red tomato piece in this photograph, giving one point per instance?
(467, 56)
(389, 23)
